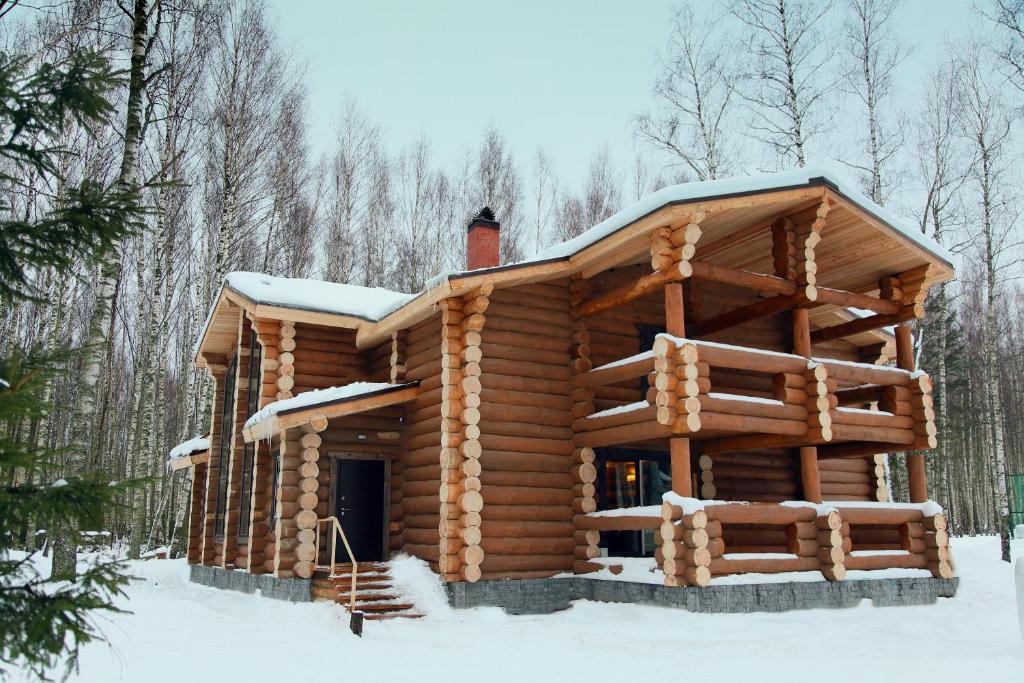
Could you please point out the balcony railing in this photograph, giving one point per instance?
(700, 540)
(812, 401)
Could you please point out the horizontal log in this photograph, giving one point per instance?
(617, 523)
(722, 566)
(759, 514)
(872, 562)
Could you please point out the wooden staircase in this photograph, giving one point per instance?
(376, 595)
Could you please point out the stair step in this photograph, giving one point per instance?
(381, 616)
(385, 606)
(369, 597)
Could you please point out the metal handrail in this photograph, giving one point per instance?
(336, 531)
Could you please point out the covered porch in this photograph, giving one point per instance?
(331, 476)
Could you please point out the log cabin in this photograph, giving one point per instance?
(713, 378)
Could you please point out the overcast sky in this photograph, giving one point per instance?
(567, 76)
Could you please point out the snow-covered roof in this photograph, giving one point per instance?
(373, 304)
(369, 303)
(199, 443)
(689, 192)
(316, 397)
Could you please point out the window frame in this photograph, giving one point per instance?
(224, 444)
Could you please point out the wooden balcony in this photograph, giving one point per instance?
(842, 407)
(700, 540)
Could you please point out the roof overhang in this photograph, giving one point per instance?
(191, 460)
(733, 220)
(350, 405)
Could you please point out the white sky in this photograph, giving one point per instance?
(567, 76)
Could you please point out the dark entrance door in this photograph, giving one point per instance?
(359, 507)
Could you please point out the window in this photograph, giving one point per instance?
(628, 478)
(224, 448)
(275, 466)
(249, 454)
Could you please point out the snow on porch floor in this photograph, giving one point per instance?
(183, 632)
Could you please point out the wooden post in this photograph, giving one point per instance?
(682, 482)
(917, 479)
(809, 474)
(674, 309)
(682, 479)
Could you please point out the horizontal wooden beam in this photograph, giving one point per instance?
(622, 294)
(732, 444)
(621, 371)
(279, 423)
(873, 322)
(838, 297)
(758, 282)
(618, 522)
(858, 449)
(758, 309)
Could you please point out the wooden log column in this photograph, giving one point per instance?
(831, 545)
(399, 344)
(309, 498)
(916, 476)
(297, 519)
(286, 361)
(584, 473)
(707, 477)
(460, 553)
(794, 258)
(936, 542)
(686, 546)
(681, 243)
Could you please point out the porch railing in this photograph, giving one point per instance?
(333, 527)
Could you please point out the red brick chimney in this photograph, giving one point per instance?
(483, 240)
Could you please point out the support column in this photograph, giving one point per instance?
(810, 476)
(916, 476)
(679, 448)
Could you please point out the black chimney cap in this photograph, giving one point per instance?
(484, 218)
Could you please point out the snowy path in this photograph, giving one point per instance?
(181, 632)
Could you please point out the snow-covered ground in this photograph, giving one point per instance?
(182, 632)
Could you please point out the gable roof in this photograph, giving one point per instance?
(376, 312)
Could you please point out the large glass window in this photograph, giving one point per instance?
(224, 447)
(249, 455)
(631, 479)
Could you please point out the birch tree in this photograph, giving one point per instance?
(1007, 16)
(987, 125)
(88, 423)
(786, 75)
(356, 141)
(696, 93)
(874, 52)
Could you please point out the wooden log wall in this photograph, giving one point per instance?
(195, 515)
(415, 507)
(527, 481)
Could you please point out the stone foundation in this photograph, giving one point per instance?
(291, 590)
(543, 596)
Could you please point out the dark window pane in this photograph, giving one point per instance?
(224, 447)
